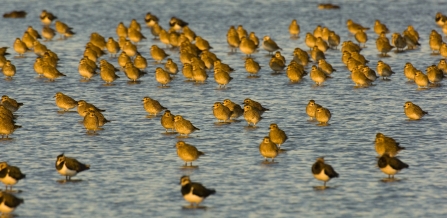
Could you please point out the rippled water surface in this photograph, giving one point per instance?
(134, 166)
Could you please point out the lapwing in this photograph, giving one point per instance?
(194, 192)
(69, 167)
(323, 171)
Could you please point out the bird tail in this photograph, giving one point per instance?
(212, 191)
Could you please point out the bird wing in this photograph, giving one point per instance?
(11, 200)
(328, 170)
(316, 168)
(397, 164)
(73, 164)
(3, 173)
(201, 191)
(15, 173)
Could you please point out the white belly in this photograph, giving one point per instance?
(8, 180)
(389, 170)
(322, 176)
(192, 198)
(67, 172)
(5, 209)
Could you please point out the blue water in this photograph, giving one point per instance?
(135, 170)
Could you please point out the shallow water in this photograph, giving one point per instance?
(135, 170)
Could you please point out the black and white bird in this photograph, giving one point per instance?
(177, 23)
(390, 165)
(323, 171)
(69, 167)
(10, 175)
(8, 202)
(194, 192)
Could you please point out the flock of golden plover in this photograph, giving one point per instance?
(196, 62)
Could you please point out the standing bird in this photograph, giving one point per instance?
(65, 102)
(221, 112)
(386, 145)
(167, 120)
(48, 33)
(132, 72)
(20, 47)
(162, 76)
(236, 109)
(269, 45)
(183, 126)
(10, 175)
(10, 103)
(91, 121)
(413, 111)
(112, 46)
(384, 70)
(421, 79)
(256, 105)
(152, 106)
(158, 54)
(323, 171)
(252, 66)
(247, 46)
(323, 115)
(9, 69)
(177, 23)
(277, 135)
(294, 29)
(187, 152)
(380, 27)
(398, 41)
(318, 76)
(391, 165)
(311, 109)
(435, 41)
(8, 203)
(310, 40)
(221, 77)
(171, 67)
(251, 115)
(47, 17)
(268, 149)
(409, 71)
(361, 38)
(69, 167)
(194, 192)
(383, 45)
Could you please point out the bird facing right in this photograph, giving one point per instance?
(413, 111)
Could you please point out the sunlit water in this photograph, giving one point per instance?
(134, 167)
